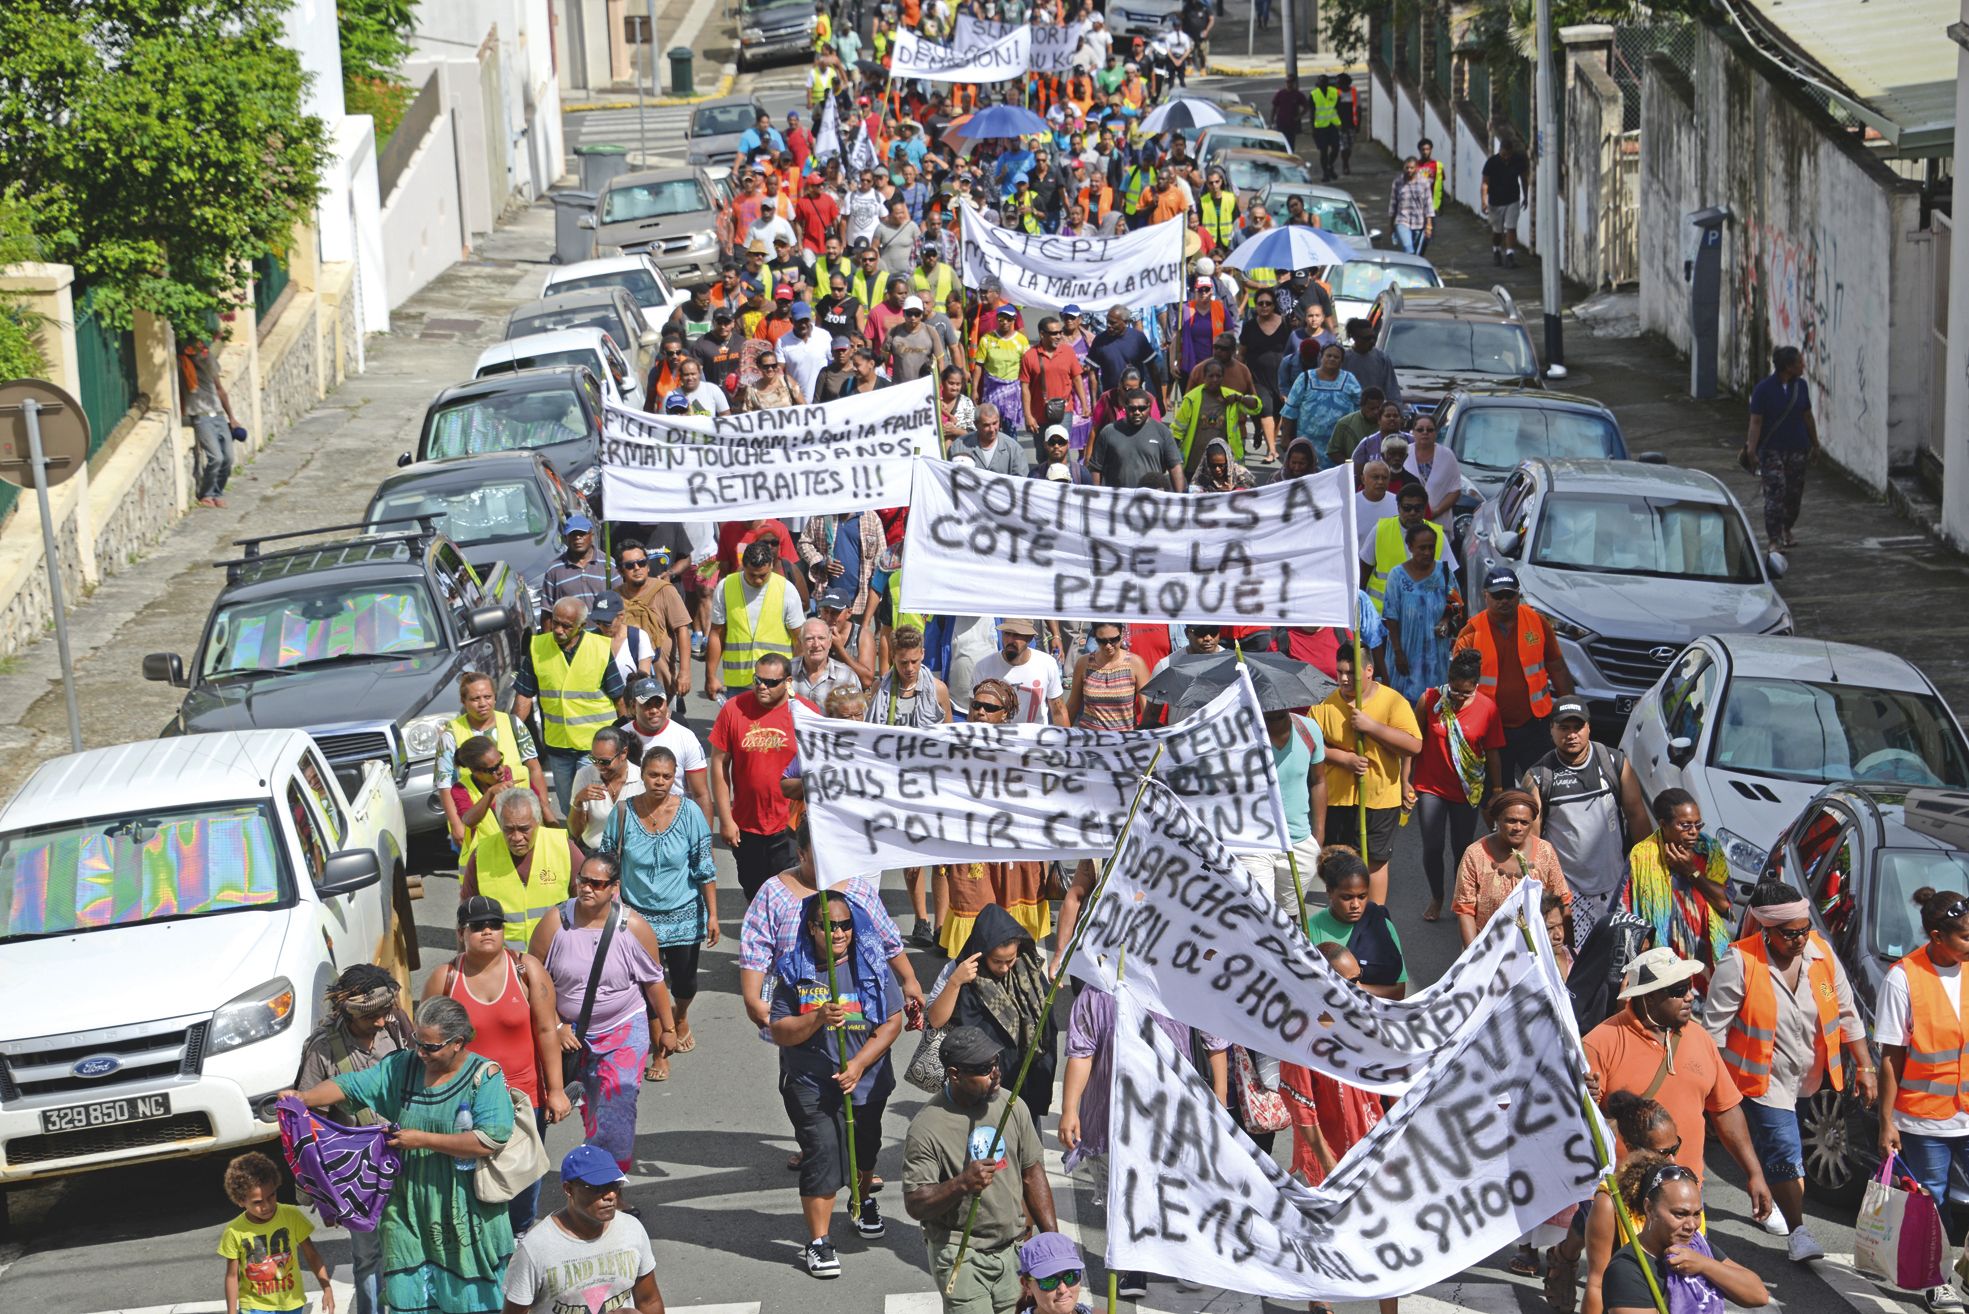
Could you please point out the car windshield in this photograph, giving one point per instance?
(1897, 927)
(1832, 732)
(1232, 139)
(654, 200)
(603, 317)
(288, 631)
(488, 513)
(504, 422)
(1363, 280)
(713, 120)
(636, 282)
(124, 871)
(1329, 212)
(542, 360)
(1457, 347)
(1623, 534)
(1500, 437)
(1248, 174)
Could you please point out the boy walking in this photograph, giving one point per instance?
(261, 1245)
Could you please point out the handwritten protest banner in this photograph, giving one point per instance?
(1053, 45)
(1283, 554)
(1009, 57)
(891, 796)
(1207, 944)
(1142, 270)
(848, 455)
(1490, 1142)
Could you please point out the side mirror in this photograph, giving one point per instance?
(348, 871)
(482, 621)
(1507, 542)
(1775, 563)
(1373, 233)
(650, 338)
(1651, 458)
(165, 667)
(403, 459)
(1680, 749)
(586, 221)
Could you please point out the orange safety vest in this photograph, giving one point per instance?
(1935, 1081)
(1531, 656)
(1753, 1033)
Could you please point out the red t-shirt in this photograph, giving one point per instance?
(1434, 772)
(816, 213)
(733, 536)
(760, 747)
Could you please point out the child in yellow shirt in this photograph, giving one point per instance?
(262, 1244)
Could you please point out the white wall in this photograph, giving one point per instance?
(458, 91)
(311, 33)
(1955, 420)
(422, 236)
(535, 148)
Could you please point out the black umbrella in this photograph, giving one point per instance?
(1193, 679)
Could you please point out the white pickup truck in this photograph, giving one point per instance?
(171, 914)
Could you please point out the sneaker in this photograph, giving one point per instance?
(1802, 1246)
(821, 1260)
(1942, 1298)
(869, 1221)
(1497, 255)
(1133, 1286)
(922, 934)
(1774, 1223)
(1510, 259)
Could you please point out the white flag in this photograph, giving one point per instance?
(827, 139)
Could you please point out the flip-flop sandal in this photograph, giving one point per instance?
(651, 1072)
(1434, 912)
(1524, 1263)
(685, 1044)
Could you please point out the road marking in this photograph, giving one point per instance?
(345, 1296)
(1860, 1290)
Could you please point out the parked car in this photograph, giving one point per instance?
(1859, 852)
(1334, 210)
(610, 309)
(1629, 562)
(1754, 725)
(1220, 137)
(670, 215)
(1443, 338)
(1356, 284)
(635, 274)
(1250, 172)
(175, 910)
(769, 28)
(556, 412)
(711, 134)
(503, 506)
(593, 349)
(1142, 17)
(1228, 103)
(357, 640)
(1495, 430)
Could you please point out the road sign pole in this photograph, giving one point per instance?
(31, 412)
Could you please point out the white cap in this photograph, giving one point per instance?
(1097, 19)
(912, 303)
(1205, 266)
(1058, 471)
(962, 459)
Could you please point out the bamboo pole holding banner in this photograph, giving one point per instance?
(1360, 737)
(1032, 1050)
(841, 1047)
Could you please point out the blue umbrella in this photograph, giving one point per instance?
(1001, 121)
(1294, 246)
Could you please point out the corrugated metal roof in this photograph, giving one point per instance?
(1893, 58)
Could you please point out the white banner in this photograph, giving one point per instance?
(1053, 46)
(1490, 1142)
(1206, 944)
(1004, 59)
(1142, 270)
(852, 454)
(891, 796)
(981, 544)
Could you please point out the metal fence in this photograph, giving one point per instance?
(1476, 87)
(1442, 56)
(1632, 44)
(270, 279)
(106, 364)
(1411, 47)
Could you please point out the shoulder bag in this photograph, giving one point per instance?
(571, 1058)
(521, 1161)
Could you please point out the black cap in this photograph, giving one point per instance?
(480, 908)
(1571, 709)
(968, 1047)
(1501, 579)
(649, 689)
(723, 313)
(605, 609)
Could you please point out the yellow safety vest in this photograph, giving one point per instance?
(824, 274)
(486, 832)
(572, 704)
(744, 647)
(1326, 107)
(1391, 549)
(946, 284)
(861, 290)
(1133, 183)
(901, 617)
(503, 735)
(525, 902)
(1219, 216)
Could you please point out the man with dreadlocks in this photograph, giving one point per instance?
(362, 1026)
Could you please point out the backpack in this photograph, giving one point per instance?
(1594, 982)
(347, 1173)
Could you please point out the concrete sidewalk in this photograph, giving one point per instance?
(1861, 573)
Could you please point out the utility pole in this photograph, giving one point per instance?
(1289, 35)
(1549, 241)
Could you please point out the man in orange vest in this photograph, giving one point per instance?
(1523, 668)
(1923, 1032)
(1781, 1006)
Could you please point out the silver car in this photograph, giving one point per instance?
(1629, 562)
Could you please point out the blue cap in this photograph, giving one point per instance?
(1021, 177)
(577, 524)
(1046, 1254)
(675, 401)
(591, 1165)
(1070, 309)
(801, 310)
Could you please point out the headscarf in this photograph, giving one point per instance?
(1312, 453)
(1007, 1010)
(1235, 475)
(864, 968)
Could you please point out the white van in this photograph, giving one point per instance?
(171, 915)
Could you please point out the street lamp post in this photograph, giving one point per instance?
(1549, 241)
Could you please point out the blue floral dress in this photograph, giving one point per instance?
(1416, 607)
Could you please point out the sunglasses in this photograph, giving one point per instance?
(840, 928)
(990, 709)
(635, 563)
(768, 366)
(1680, 990)
(1070, 1278)
(485, 926)
(426, 1048)
(975, 1069)
(1793, 936)
(490, 768)
(589, 882)
(1107, 640)
(761, 682)
(1138, 410)
(602, 763)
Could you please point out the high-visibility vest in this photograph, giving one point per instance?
(934, 292)
(1133, 183)
(1753, 1034)
(487, 831)
(572, 704)
(920, 621)
(1219, 215)
(869, 294)
(525, 902)
(823, 33)
(501, 734)
(1326, 107)
(1935, 1082)
(825, 270)
(743, 646)
(1531, 640)
(1391, 549)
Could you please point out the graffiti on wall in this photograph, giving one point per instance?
(1788, 293)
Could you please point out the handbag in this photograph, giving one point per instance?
(571, 1058)
(926, 1067)
(517, 1164)
(1259, 1108)
(1898, 1234)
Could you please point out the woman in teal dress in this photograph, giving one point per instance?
(1421, 612)
(444, 1252)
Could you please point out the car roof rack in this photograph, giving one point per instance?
(1505, 298)
(1393, 293)
(252, 555)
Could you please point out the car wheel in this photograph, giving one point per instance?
(1838, 1139)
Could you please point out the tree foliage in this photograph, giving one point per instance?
(20, 351)
(163, 142)
(375, 37)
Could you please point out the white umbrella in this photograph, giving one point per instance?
(1182, 114)
(1293, 246)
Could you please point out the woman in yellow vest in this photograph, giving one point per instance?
(1924, 1049)
(479, 714)
(1781, 1010)
(528, 869)
(753, 612)
(483, 776)
(571, 672)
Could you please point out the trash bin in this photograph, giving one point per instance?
(601, 161)
(572, 242)
(681, 83)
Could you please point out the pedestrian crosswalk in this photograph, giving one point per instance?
(653, 134)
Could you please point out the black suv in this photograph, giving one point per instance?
(556, 411)
(359, 641)
(1443, 338)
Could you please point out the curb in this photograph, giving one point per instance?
(727, 75)
(1277, 69)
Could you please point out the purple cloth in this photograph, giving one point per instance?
(1693, 1295)
(347, 1172)
(1090, 1034)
